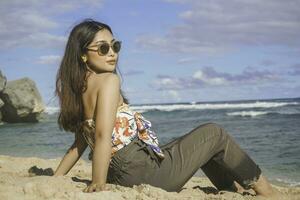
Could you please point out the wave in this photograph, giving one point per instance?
(248, 113)
(253, 113)
(201, 106)
(212, 106)
(288, 182)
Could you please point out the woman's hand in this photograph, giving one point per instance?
(96, 187)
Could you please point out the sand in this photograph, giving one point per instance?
(17, 183)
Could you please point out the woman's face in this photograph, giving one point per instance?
(99, 63)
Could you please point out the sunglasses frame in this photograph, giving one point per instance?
(103, 42)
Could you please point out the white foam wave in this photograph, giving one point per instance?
(212, 106)
(201, 106)
(252, 113)
(288, 182)
(248, 113)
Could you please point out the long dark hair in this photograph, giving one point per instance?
(71, 81)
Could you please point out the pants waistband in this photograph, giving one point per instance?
(142, 146)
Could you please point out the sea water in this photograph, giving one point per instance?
(268, 130)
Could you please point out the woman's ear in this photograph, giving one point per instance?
(84, 58)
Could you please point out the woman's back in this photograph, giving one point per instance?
(128, 123)
(95, 82)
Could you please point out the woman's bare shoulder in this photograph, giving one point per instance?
(103, 80)
(97, 83)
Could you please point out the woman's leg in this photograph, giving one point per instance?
(222, 179)
(208, 147)
(218, 175)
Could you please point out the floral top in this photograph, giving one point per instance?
(128, 125)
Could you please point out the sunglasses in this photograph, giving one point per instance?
(103, 47)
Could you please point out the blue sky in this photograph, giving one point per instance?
(173, 50)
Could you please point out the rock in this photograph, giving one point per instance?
(2, 82)
(22, 101)
(2, 86)
(1, 104)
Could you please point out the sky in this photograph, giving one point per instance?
(172, 50)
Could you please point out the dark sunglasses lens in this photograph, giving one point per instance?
(117, 46)
(104, 48)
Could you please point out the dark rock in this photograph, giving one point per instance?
(35, 171)
(22, 101)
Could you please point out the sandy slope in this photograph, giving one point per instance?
(15, 183)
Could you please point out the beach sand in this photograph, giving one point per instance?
(17, 183)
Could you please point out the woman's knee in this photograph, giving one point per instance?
(215, 128)
(212, 125)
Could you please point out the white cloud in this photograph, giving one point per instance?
(214, 26)
(199, 75)
(186, 60)
(167, 82)
(32, 22)
(209, 77)
(49, 59)
(180, 44)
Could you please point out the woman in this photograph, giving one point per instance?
(124, 149)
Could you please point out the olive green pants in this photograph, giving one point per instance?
(208, 147)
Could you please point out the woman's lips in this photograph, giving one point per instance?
(111, 62)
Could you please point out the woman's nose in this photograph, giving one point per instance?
(111, 52)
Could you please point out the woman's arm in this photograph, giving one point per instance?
(72, 156)
(106, 109)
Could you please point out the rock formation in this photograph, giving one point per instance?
(20, 100)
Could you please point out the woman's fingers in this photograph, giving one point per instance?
(86, 189)
(92, 188)
(98, 189)
(101, 188)
(95, 188)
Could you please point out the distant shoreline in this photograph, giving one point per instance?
(198, 102)
(218, 101)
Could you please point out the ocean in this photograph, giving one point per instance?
(268, 130)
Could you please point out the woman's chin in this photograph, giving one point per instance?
(109, 68)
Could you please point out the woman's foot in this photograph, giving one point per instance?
(264, 189)
(239, 189)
